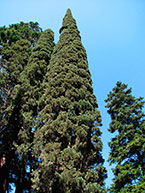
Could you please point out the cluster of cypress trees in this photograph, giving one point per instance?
(50, 138)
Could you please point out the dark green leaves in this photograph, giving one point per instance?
(127, 147)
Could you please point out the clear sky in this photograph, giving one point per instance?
(113, 34)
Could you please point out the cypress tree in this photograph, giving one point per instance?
(67, 141)
(128, 144)
(33, 75)
(31, 83)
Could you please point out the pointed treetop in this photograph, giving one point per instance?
(68, 20)
(68, 12)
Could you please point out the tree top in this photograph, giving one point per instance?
(69, 11)
(68, 20)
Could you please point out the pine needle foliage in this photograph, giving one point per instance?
(128, 144)
(67, 141)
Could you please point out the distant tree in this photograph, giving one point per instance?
(67, 141)
(16, 43)
(128, 144)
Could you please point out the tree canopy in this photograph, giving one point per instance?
(128, 145)
(16, 42)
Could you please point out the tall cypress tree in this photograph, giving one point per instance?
(67, 141)
(33, 75)
(128, 145)
(31, 83)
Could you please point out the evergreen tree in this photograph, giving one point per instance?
(31, 82)
(9, 134)
(16, 43)
(67, 140)
(128, 144)
(14, 58)
(29, 31)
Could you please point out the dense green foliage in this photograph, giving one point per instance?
(33, 75)
(31, 80)
(28, 31)
(67, 141)
(16, 44)
(128, 145)
(50, 138)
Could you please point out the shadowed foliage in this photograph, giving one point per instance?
(16, 43)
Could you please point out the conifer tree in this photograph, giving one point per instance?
(9, 167)
(16, 43)
(28, 31)
(33, 75)
(31, 82)
(14, 58)
(128, 144)
(67, 141)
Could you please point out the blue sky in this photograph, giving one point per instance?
(113, 34)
